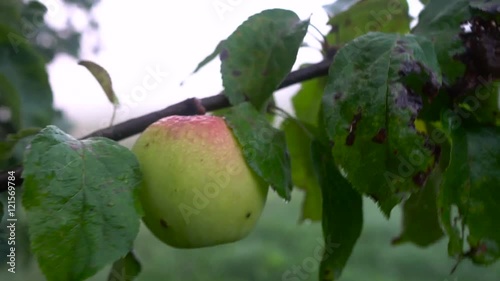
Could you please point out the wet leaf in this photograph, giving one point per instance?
(342, 214)
(469, 197)
(264, 147)
(89, 190)
(259, 54)
(370, 113)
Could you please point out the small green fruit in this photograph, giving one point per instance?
(197, 190)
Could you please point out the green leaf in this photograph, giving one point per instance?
(81, 201)
(259, 54)
(484, 103)
(440, 22)
(210, 57)
(10, 98)
(342, 214)
(338, 6)
(469, 198)
(22, 66)
(369, 16)
(7, 145)
(307, 102)
(103, 78)
(264, 147)
(298, 141)
(125, 269)
(369, 114)
(486, 6)
(420, 221)
(420, 210)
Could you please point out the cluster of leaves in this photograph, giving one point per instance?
(405, 116)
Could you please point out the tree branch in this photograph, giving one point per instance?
(192, 106)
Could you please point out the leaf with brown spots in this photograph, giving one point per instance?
(376, 114)
(259, 54)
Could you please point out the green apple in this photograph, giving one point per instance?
(197, 189)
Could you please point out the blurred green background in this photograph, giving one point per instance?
(278, 244)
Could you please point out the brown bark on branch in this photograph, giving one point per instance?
(192, 106)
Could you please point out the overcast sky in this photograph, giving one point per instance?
(151, 47)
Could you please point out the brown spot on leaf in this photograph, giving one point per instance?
(399, 49)
(224, 54)
(381, 136)
(163, 223)
(327, 274)
(248, 215)
(349, 140)
(265, 72)
(396, 240)
(352, 129)
(355, 120)
(236, 73)
(420, 178)
(430, 89)
(337, 96)
(395, 152)
(146, 145)
(437, 153)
